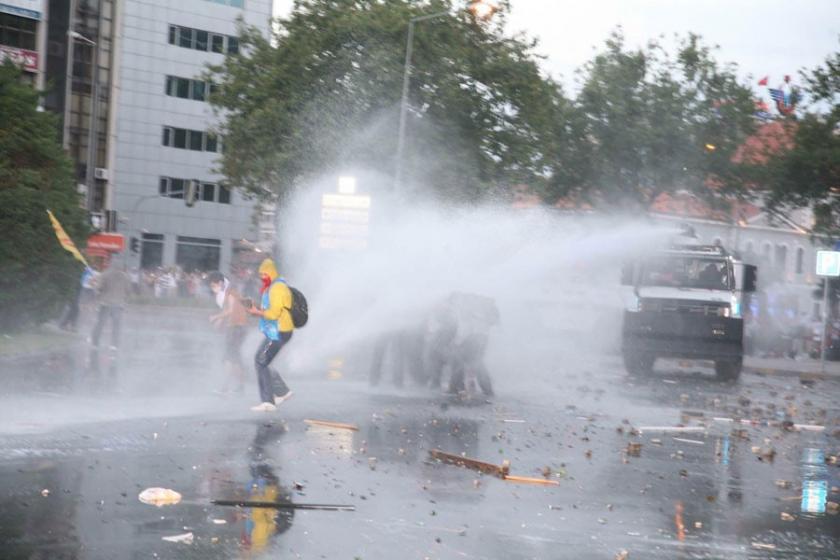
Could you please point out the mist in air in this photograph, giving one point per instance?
(554, 276)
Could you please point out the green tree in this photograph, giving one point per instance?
(808, 173)
(325, 94)
(36, 274)
(653, 122)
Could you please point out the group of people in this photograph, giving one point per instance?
(451, 340)
(275, 323)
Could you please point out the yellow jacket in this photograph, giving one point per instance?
(276, 307)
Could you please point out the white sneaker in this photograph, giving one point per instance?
(264, 407)
(278, 400)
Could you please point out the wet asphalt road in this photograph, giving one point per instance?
(71, 490)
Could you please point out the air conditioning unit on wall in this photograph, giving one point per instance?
(101, 173)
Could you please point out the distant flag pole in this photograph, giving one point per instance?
(65, 240)
(764, 81)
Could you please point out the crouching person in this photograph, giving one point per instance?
(476, 315)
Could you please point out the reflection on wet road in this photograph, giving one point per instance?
(674, 466)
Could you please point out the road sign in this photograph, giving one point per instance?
(828, 263)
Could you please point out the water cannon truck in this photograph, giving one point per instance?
(686, 302)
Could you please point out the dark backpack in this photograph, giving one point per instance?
(299, 309)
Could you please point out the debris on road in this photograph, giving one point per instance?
(622, 555)
(684, 429)
(787, 517)
(530, 480)
(764, 546)
(159, 497)
(219, 522)
(45, 492)
(488, 468)
(282, 505)
(784, 484)
(186, 538)
(634, 449)
(832, 508)
(692, 441)
(329, 424)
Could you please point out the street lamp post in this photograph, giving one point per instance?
(481, 9)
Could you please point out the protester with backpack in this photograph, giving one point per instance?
(282, 308)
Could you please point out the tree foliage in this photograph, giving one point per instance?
(325, 94)
(36, 274)
(655, 122)
(808, 174)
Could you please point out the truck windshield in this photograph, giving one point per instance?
(686, 272)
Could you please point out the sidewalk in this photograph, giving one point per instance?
(805, 369)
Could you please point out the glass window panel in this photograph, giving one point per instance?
(201, 40)
(183, 88)
(167, 136)
(196, 137)
(218, 44)
(233, 45)
(164, 186)
(170, 85)
(237, 3)
(198, 90)
(186, 37)
(212, 143)
(173, 35)
(208, 192)
(180, 140)
(176, 188)
(224, 195)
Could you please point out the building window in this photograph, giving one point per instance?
(800, 260)
(186, 88)
(781, 257)
(217, 43)
(202, 40)
(151, 252)
(231, 3)
(185, 139)
(198, 253)
(16, 31)
(208, 192)
(174, 187)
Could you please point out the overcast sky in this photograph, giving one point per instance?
(774, 37)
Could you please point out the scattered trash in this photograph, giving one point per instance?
(764, 546)
(45, 492)
(159, 497)
(488, 468)
(372, 463)
(634, 449)
(656, 441)
(698, 524)
(529, 480)
(219, 522)
(685, 429)
(282, 505)
(622, 555)
(329, 424)
(186, 538)
(787, 517)
(784, 484)
(513, 421)
(832, 508)
(692, 441)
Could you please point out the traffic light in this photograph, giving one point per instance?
(192, 192)
(135, 245)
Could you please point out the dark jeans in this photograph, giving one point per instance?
(269, 380)
(115, 314)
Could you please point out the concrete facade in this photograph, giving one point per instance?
(142, 109)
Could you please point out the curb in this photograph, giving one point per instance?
(802, 375)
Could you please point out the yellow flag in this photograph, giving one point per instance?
(65, 240)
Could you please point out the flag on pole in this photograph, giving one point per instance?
(764, 81)
(65, 240)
